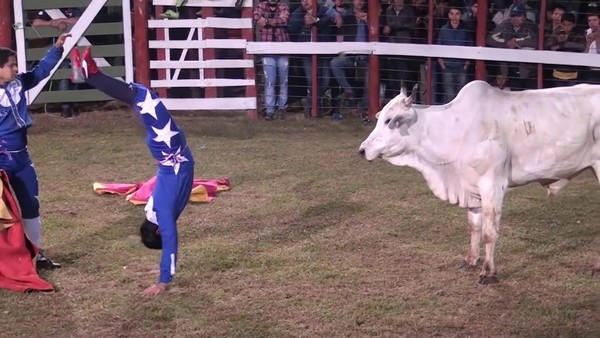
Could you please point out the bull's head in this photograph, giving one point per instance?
(391, 135)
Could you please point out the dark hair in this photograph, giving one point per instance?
(5, 53)
(150, 236)
(568, 16)
(559, 6)
(458, 8)
(594, 12)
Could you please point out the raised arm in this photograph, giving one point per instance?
(31, 78)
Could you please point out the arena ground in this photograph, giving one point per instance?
(311, 241)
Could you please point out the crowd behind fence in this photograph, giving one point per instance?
(569, 26)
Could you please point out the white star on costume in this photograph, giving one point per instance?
(149, 105)
(173, 160)
(165, 134)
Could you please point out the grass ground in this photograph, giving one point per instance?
(311, 241)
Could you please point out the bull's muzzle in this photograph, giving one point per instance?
(361, 152)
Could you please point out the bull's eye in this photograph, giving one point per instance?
(387, 121)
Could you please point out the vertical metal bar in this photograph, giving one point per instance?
(249, 73)
(142, 57)
(313, 37)
(542, 26)
(373, 71)
(429, 64)
(481, 34)
(6, 24)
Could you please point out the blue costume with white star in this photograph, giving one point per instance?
(14, 156)
(174, 177)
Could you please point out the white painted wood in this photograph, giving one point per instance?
(176, 44)
(77, 32)
(203, 3)
(20, 35)
(201, 83)
(231, 23)
(225, 43)
(83, 42)
(190, 42)
(179, 23)
(309, 47)
(201, 53)
(409, 49)
(212, 22)
(226, 103)
(128, 41)
(202, 64)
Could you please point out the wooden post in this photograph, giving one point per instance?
(541, 38)
(142, 57)
(481, 34)
(209, 53)
(429, 64)
(6, 22)
(249, 73)
(314, 61)
(373, 17)
(161, 52)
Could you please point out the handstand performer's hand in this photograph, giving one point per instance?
(154, 290)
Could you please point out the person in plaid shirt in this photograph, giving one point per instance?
(271, 18)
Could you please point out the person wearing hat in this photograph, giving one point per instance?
(516, 33)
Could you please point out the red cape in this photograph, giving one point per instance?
(17, 253)
(203, 190)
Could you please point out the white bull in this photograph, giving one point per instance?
(471, 150)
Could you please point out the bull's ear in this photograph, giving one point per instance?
(413, 95)
(403, 88)
(407, 120)
(377, 115)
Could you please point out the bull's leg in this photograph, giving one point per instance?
(553, 189)
(596, 168)
(475, 221)
(492, 196)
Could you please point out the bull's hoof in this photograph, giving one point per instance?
(487, 280)
(466, 266)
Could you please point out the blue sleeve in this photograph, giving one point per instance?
(325, 18)
(441, 37)
(168, 259)
(295, 22)
(31, 78)
(331, 13)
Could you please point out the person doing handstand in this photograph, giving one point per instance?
(175, 174)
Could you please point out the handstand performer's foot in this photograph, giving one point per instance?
(76, 63)
(92, 68)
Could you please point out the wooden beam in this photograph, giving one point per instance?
(77, 32)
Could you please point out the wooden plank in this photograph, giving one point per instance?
(35, 54)
(223, 103)
(76, 33)
(111, 28)
(45, 4)
(201, 64)
(230, 23)
(212, 22)
(203, 3)
(180, 23)
(228, 43)
(176, 44)
(202, 83)
(83, 95)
